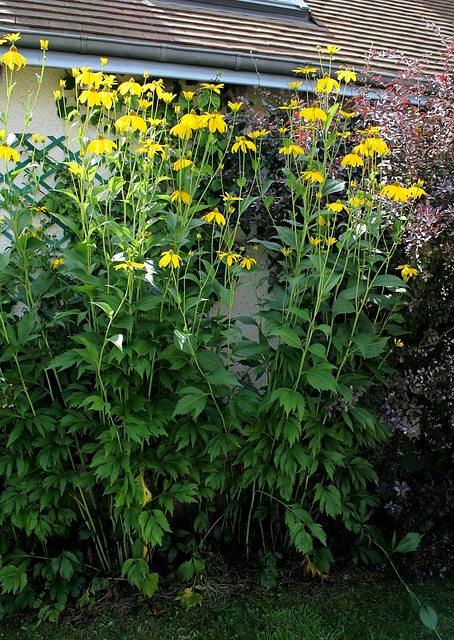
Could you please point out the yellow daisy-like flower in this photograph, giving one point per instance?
(369, 146)
(151, 149)
(130, 86)
(416, 191)
(258, 134)
(130, 122)
(215, 122)
(295, 85)
(314, 241)
(330, 49)
(91, 97)
(188, 95)
(305, 70)
(356, 201)
(103, 61)
(347, 75)
(336, 206)
(12, 37)
(313, 176)
(56, 263)
(214, 216)
(286, 251)
(247, 262)
(230, 257)
(292, 149)
(167, 96)
(327, 85)
(108, 99)
(44, 45)
(182, 163)
(228, 198)
(101, 145)
(170, 258)
(352, 160)
(321, 221)
(144, 104)
(235, 106)
(330, 241)
(180, 195)
(291, 106)
(343, 134)
(212, 87)
(129, 265)
(347, 114)
(8, 153)
(312, 114)
(88, 77)
(182, 131)
(395, 192)
(243, 144)
(407, 272)
(13, 59)
(398, 343)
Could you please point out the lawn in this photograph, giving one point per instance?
(350, 606)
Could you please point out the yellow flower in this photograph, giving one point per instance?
(56, 263)
(101, 145)
(369, 131)
(8, 153)
(295, 85)
(228, 198)
(212, 87)
(398, 343)
(62, 83)
(109, 81)
(327, 85)
(151, 149)
(229, 256)
(214, 121)
(356, 201)
(107, 99)
(243, 144)
(215, 216)
(180, 195)
(369, 146)
(103, 61)
(330, 49)
(170, 258)
(312, 114)
(347, 114)
(13, 59)
(395, 192)
(129, 265)
(293, 104)
(258, 134)
(286, 251)
(407, 272)
(44, 45)
(314, 241)
(12, 37)
(188, 95)
(91, 97)
(292, 149)
(347, 75)
(130, 86)
(167, 96)
(235, 106)
(321, 221)
(88, 77)
(182, 163)
(416, 191)
(157, 121)
(130, 122)
(313, 176)
(336, 206)
(305, 70)
(75, 168)
(144, 104)
(343, 134)
(330, 241)
(352, 160)
(247, 262)
(181, 130)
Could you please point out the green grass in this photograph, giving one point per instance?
(356, 606)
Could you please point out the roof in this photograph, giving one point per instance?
(203, 36)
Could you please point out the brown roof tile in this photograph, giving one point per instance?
(355, 26)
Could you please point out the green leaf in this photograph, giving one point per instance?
(13, 579)
(184, 341)
(150, 584)
(428, 616)
(64, 360)
(193, 401)
(222, 377)
(329, 498)
(153, 525)
(290, 400)
(408, 543)
(341, 305)
(389, 281)
(321, 378)
(369, 345)
(288, 336)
